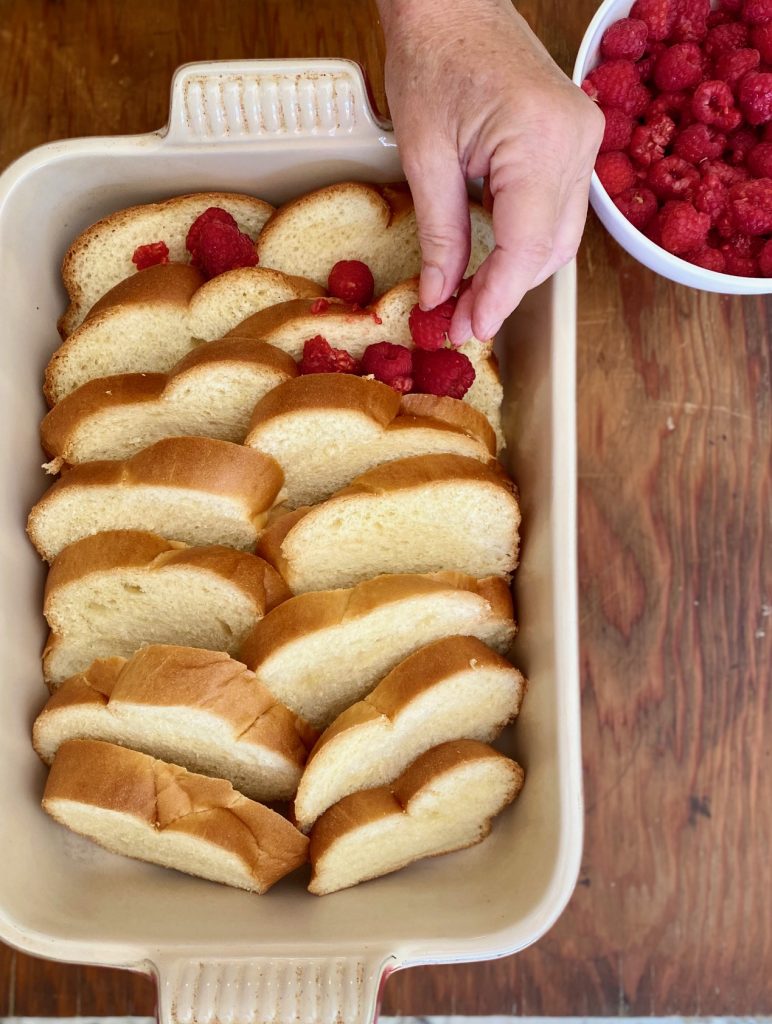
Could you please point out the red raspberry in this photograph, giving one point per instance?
(713, 103)
(639, 205)
(723, 38)
(756, 12)
(765, 260)
(676, 105)
(761, 38)
(649, 140)
(699, 142)
(351, 281)
(691, 24)
(619, 128)
(673, 178)
(221, 247)
(739, 144)
(624, 40)
(444, 372)
(150, 255)
(319, 306)
(754, 96)
(730, 6)
(709, 259)
(738, 258)
(617, 84)
(645, 66)
(683, 228)
(320, 357)
(716, 18)
(616, 173)
(679, 67)
(726, 175)
(730, 67)
(390, 364)
(659, 15)
(653, 232)
(213, 213)
(711, 196)
(429, 327)
(760, 160)
(750, 206)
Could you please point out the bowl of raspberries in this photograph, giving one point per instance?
(683, 179)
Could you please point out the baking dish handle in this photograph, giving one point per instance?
(245, 101)
(291, 990)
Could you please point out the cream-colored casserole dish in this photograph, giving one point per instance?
(277, 129)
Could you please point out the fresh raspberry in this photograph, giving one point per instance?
(739, 144)
(754, 96)
(679, 67)
(750, 206)
(730, 67)
(616, 173)
(390, 364)
(619, 128)
(319, 306)
(716, 18)
(761, 38)
(713, 103)
(624, 40)
(221, 247)
(739, 259)
(320, 357)
(659, 16)
(691, 24)
(676, 105)
(429, 327)
(351, 281)
(683, 228)
(765, 260)
(673, 178)
(766, 132)
(731, 36)
(653, 230)
(150, 255)
(214, 213)
(645, 66)
(709, 259)
(756, 12)
(730, 6)
(699, 142)
(617, 84)
(648, 141)
(711, 196)
(726, 174)
(639, 205)
(760, 160)
(443, 372)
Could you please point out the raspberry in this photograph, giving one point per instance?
(739, 144)
(766, 134)
(730, 67)
(730, 6)
(760, 160)
(719, 18)
(756, 12)
(351, 281)
(221, 247)
(659, 16)
(738, 259)
(699, 142)
(150, 255)
(765, 260)
(619, 128)
(683, 228)
(691, 24)
(723, 38)
(676, 105)
(673, 178)
(750, 206)
(319, 306)
(645, 66)
(429, 327)
(639, 205)
(624, 40)
(679, 67)
(761, 38)
(711, 196)
(213, 213)
(390, 364)
(615, 171)
(713, 103)
(754, 96)
(444, 372)
(726, 175)
(709, 259)
(653, 232)
(320, 357)
(648, 141)
(617, 84)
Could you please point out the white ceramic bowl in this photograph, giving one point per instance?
(630, 238)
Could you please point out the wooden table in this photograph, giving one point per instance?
(673, 912)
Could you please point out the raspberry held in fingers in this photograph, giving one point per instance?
(429, 327)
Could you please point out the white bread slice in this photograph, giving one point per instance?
(192, 489)
(425, 513)
(133, 804)
(199, 709)
(357, 221)
(110, 594)
(325, 429)
(211, 392)
(100, 257)
(148, 322)
(321, 652)
(445, 801)
(453, 689)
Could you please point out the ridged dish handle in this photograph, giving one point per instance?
(243, 101)
(292, 990)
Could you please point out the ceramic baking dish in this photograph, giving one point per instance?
(276, 129)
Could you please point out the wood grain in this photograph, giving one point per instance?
(673, 913)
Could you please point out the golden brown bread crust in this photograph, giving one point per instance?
(450, 412)
(263, 323)
(174, 284)
(328, 391)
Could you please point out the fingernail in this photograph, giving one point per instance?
(431, 287)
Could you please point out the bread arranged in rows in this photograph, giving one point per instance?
(148, 322)
(446, 800)
(109, 594)
(100, 256)
(321, 652)
(198, 709)
(453, 689)
(193, 489)
(425, 513)
(211, 392)
(134, 804)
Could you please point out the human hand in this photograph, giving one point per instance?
(474, 94)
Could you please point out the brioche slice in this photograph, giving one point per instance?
(420, 514)
(321, 652)
(326, 429)
(133, 804)
(357, 221)
(110, 594)
(445, 801)
(456, 688)
(211, 392)
(100, 257)
(199, 709)
(148, 322)
(191, 489)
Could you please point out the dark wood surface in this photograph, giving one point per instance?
(673, 913)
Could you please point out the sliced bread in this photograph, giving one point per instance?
(321, 652)
(425, 513)
(325, 429)
(192, 489)
(446, 800)
(110, 594)
(134, 804)
(199, 709)
(100, 257)
(456, 688)
(211, 392)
